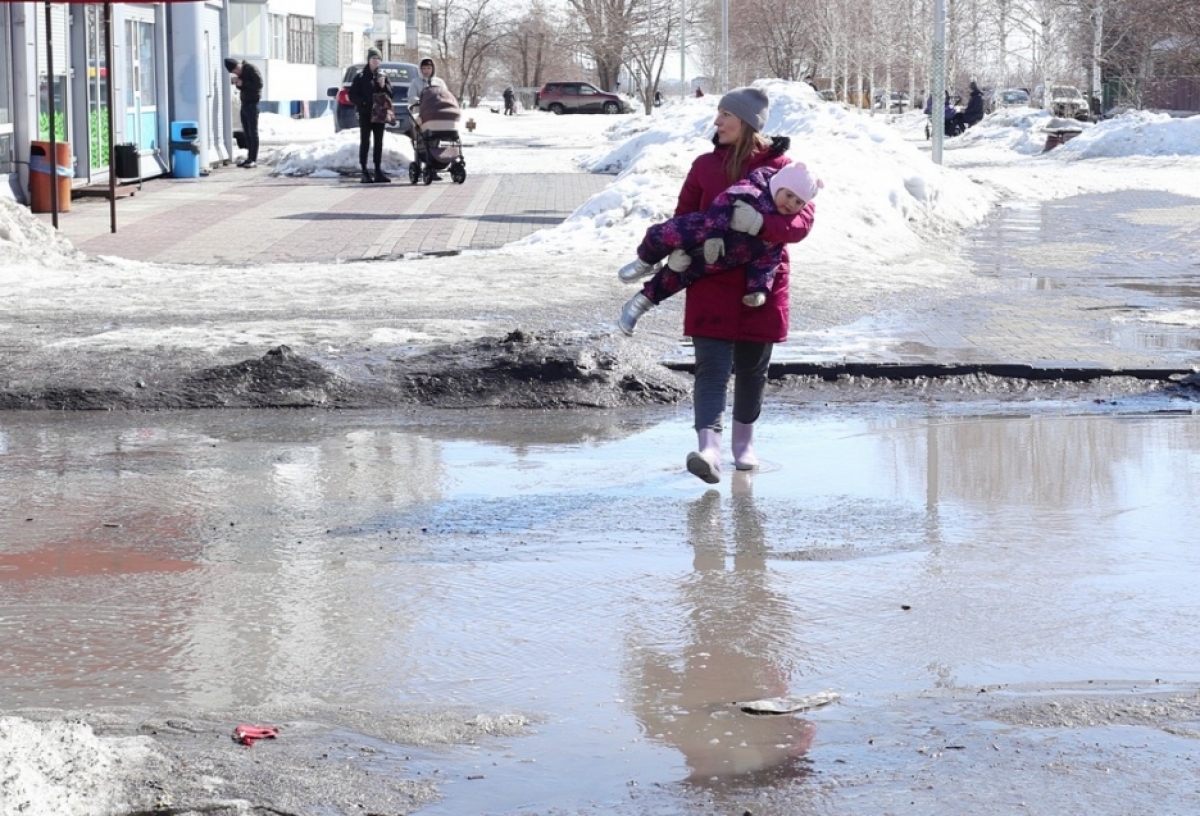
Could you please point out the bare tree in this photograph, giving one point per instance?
(653, 31)
(606, 29)
(470, 32)
(537, 47)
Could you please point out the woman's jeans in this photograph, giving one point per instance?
(716, 360)
(365, 131)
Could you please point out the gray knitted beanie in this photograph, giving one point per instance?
(748, 104)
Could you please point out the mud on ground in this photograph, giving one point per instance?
(529, 370)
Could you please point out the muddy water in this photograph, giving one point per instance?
(947, 572)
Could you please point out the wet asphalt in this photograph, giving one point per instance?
(997, 586)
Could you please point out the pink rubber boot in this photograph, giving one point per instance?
(705, 465)
(744, 457)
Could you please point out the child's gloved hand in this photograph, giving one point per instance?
(714, 248)
(745, 218)
(679, 260)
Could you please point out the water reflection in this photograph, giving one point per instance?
(735, 631)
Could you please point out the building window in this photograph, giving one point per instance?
(346, 53)
(328, 38)
(246, 29)
(425, 21)
(279, 37)
(410, 14)
(301, 40)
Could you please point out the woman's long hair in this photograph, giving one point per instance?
(748, 143)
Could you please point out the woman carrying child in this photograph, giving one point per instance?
(729, 337)
(699, 244)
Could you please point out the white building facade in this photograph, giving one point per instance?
(168, 67)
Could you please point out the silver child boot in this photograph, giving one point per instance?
(637, 270)
(633, 309)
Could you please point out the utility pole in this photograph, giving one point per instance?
(683, 89)
(937, 106)
(724, 45)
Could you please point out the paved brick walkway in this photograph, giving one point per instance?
(248, 217)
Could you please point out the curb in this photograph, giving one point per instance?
(912, 371)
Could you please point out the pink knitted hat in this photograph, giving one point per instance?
(798, 179)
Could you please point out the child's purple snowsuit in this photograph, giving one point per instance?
(689, 232)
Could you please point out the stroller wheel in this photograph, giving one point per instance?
(428, 176)
(457, 174)
(414, 172)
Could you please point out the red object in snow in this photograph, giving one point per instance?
(247, 734)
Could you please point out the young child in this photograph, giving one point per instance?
(702, 243)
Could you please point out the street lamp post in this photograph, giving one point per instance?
(683, 91)
(937, 108)
(724, 45)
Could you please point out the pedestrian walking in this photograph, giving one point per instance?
(510, 101)
(730, 338)
(371, 93)
(701, 243)
(249, 82)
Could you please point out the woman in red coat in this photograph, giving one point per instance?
(729, 337)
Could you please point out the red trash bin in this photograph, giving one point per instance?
(39, 176)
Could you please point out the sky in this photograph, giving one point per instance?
(888, 221)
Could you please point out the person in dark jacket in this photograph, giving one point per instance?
(510, 101)
(973, 113)
(249, 82)
(371, 93)
(730, 338)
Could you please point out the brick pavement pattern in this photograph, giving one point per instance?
(241, 217)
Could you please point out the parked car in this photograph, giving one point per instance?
(1008, 98)
(1068, 102)
(1065, 101)
(578, 97)
(899, 102)
(399, 74)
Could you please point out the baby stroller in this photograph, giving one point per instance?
(436, 145)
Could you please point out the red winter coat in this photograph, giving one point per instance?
(714, 303)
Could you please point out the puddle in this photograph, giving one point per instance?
(1143, 243)
(564, 566)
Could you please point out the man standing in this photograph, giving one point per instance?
(249, 83)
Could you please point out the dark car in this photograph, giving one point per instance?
(399, 74)
(578, 97)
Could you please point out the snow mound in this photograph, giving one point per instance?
(337, 155)
(883, 198)
(62, 767)
(1136, 133)
(24, 239)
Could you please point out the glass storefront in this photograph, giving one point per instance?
(59, 83)
(141, 94)
(6, 118)
(97, 88)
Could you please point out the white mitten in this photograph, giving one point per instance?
(679, 261)
(714, 248)
(745, 218)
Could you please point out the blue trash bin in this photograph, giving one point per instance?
(185, 149)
